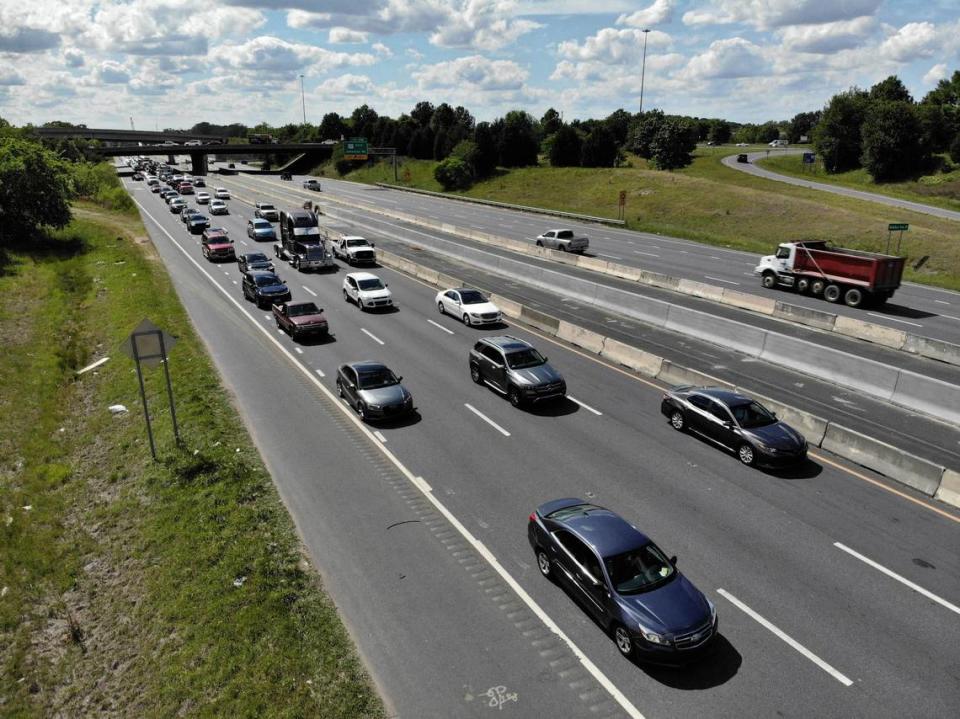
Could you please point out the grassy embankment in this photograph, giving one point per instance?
(941, 189)
(133, 588)
(714, 204)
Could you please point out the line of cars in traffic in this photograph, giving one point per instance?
(614, 570)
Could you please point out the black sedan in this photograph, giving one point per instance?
(264, 288)
(373, 390)
(197, 223)
(735, 422)
(254, 261)
(629, 585)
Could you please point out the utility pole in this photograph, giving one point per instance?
(643, 70)
(131, 124)
(303, 101)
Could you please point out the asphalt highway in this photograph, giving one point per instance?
(918, 434)
(921, 310)
(419, 529)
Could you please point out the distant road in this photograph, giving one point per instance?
(751, 168)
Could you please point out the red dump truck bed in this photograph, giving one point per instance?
(868, 269)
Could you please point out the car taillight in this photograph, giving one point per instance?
(533, 517)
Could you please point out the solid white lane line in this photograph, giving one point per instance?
(298, 350)
(379, 436)
(612, 257)
(309, 291)
(903, 580)
(267, 317)
(372, 336)
(950, 317)
(320, 372)
(941, 302)
(441, 327)
(651, 254)
(486, 419)
(720, 279)
(244, 242)
(785, 637)
(585, 406)
(894, 319)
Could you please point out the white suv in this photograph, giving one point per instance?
(222, 193)
(366, 290)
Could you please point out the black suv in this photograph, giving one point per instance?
(516, 369)
(264, 288)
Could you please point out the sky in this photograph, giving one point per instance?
(172, 63)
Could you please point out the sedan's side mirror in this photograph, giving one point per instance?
(372, 244)
(400, 378)
(673, 560)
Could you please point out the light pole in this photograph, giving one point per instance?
(643, 68)
(303, 102)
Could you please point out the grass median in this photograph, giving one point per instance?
(710, 203)
(134, 588)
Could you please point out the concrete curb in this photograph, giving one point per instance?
(897, 464)
(847, 326)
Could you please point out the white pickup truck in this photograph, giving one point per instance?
(354, 250)
(563, 240)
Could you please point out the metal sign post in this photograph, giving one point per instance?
(900, 227)
(622, 205)
(148, 345)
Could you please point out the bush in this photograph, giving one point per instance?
(34, 188)
(99, 183)
(454, 174)
(565, 147)
(955, 149)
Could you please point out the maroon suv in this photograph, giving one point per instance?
(217, 245)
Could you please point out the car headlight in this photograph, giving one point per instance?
(652, 637)
(475, 314)
(374, 406)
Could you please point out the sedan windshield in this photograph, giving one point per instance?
(262, 225)
(374, 284)
(752, 414)
(267, 207)
(381, 377)
(304, 308)
(257, 257)
(472, 297)
(639, 569)
(525, 358)
(267, 280)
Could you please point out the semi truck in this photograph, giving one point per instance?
(854, 277)
(301, 243)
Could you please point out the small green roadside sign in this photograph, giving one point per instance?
(898, 227)
(355, 149)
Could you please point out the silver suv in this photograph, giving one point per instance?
(515, 369)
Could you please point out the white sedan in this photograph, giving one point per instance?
(203, 198)
(469, 306)
(222, 193)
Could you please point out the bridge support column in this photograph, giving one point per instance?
(198, 163)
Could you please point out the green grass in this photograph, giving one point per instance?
(941, 189)
(711, 203)
(118, 579)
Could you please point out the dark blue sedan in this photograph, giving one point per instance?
(624, 580)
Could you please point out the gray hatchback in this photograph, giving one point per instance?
(373, 390)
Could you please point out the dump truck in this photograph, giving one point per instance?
(855, 277)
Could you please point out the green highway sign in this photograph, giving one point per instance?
(898, 227)
(355, 149)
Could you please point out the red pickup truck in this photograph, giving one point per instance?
(300, 318)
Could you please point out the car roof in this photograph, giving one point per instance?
(465, 289)
(606, 531)
(363, 276)
(365, 366)
(506, 342)
(726, 396)
(258, 273)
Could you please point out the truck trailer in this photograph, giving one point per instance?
(837, 274)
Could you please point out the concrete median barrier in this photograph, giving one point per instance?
(809, 425)
(878, 334)
(804, 316)
(928, 395)
(718, 330)
(754, 303)
(592, 263)
(580, 337)
(447, 281)
(507, 306)
(933, 349)
(429, 276)
(632, 357)
(884, 458)
(540, 320)
(700, 289)
(656, 279)
(674, 374)
(949, 489)
(625, 272)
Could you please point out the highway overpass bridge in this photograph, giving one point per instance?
(313, 153)
(125, 136)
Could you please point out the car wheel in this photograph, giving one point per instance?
(339, 389)
(296, 263)
(562, 248)
(475, 373)
(466, 319)
(440, 308)
(817, 287)
(803, 285)
(279, 326)
(832, 293)
(360, 305)
(346, 297)
(513, 394)
(623, 640)
(361, 411)
(677, 420)
(747, 455)
(539, 244)
(543, 564)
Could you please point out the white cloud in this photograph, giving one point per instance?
(724, 59)
(482, 24)
(110, 73)
(381, 49)
(11, 77)
(828, 38)
(911, 42)
(346, 85)
(73, 57)
(935, 74)
(266, 54)
(661, 11)
(472, 73)
(612, 46)
(767, 14)
(593, 71)
(346, 35)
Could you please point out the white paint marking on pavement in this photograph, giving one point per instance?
(280, 331)
(941, 302)
(309, 291)
(372, 336)
(893, 319)
(234, 281)
(320, 372)
(651, 254)
(486, 419)
(226, 273)
(94, 365)
(441, 327)
(950, 317)
(244, 242)
(422, 484)
(786, 637)
(379, 436)
(720, 279)
(298, 350)
(267, 318)
(714, 257)
(612, 257)
(903, 580)
(585, 406)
